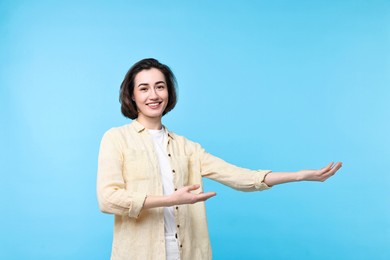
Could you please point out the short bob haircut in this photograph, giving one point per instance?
(128, 106)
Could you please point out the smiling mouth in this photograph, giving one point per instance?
(154, 105)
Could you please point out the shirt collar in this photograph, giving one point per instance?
(140, 128)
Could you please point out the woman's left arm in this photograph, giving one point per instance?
(274, 178)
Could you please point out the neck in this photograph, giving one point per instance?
(150, 123)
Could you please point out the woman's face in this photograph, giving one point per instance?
(150, 94)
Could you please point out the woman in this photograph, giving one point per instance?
(151, 178)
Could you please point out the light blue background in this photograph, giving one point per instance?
(281, 85)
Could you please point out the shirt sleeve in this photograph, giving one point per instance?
(111, 188)
(228, 174)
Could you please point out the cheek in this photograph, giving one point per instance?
(138, 97)
(166, 95)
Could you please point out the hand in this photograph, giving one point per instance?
(185, 196)
(319, 175)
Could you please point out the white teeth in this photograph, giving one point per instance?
(153, 104)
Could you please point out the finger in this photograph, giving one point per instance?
(206, 196)
(332, 171)
(339, 164)
(329, 166)
(336, 167)
(325, 169)
(193, 187)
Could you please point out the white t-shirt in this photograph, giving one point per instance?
(160, 140)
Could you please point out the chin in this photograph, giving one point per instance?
(155, 115)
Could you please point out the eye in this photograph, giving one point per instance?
(143, 89)
(160, 87)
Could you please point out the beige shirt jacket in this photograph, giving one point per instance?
(128, 171)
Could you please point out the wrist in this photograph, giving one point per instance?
(169, 200)
(299, 176)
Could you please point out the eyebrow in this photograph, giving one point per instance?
(147, 84)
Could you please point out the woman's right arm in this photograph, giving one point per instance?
(112, 195)
(183, 195)
(111, 189)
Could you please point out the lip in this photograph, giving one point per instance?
(154, 105)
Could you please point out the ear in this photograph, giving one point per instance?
(132, 98)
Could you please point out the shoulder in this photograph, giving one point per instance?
(117, 134)
(117, 131)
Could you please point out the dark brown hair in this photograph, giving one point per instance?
(128, 106)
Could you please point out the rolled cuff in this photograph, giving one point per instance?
(136, 204)
(260, 184)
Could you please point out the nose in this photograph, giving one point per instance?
(153, 94)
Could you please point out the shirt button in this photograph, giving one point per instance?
(178, 226)
(169, 155)
(175, 189)
(177, 207)
(173, 171)
(181, 245)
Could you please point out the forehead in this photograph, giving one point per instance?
(149, 76)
